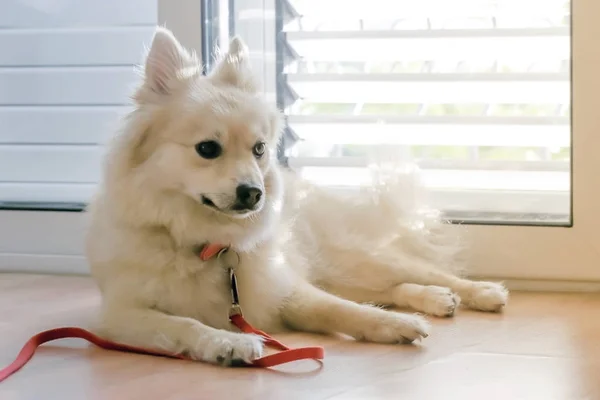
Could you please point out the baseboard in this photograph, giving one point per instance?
(77, 265)
(43, 264)
(542, 285)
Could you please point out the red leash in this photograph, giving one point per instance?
(284, 356)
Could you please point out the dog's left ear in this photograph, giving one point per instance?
(234, 68)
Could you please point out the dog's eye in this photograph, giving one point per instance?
(259, 149)
(209, 149)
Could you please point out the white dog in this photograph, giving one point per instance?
(194, 164)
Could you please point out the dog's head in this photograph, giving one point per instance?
(211, 138)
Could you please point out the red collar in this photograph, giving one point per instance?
(210, 250)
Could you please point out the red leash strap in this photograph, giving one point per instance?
(69, 332)
(284, 356)
(287, 355)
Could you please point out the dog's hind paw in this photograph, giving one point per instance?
(396, 328)
(439, 301)
(487, 296)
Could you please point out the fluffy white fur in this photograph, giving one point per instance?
(310, 258)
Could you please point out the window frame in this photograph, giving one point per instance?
(531, 257)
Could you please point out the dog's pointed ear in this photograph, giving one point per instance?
(233, 68)
(167, 63)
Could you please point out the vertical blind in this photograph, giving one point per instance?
(474, 92)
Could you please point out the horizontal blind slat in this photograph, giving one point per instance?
(429, 33)
(435, 134)
(438, 92)
(432, 77)
(58, 125)
(427, 119)
(45, 164)
(450, 179)
(397, 49)
(83, 47)
(26, 14)
(433, 88)
(387, 9)
(474, 165)
(499, 203)
(46, 192)
(67, 86)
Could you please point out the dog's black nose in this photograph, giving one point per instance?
(248, 196)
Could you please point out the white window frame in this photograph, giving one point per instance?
(530, 257)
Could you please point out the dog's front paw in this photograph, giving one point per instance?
(229, 349)
(487, 296)
(392, 327)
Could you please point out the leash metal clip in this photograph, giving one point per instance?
(230, 263)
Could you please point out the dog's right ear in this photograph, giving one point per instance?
(167, 64)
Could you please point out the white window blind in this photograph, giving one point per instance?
(474, 92)
(66, 73)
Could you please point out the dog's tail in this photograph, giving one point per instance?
(402, 207)
(390, 213)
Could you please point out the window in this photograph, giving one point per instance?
(476, 93)
(493, 99)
